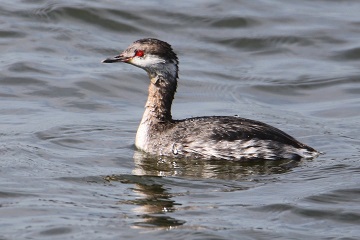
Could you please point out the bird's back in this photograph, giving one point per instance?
(230, 138)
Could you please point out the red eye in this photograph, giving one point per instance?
(139, 53)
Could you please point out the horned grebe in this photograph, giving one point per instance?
(216, 137)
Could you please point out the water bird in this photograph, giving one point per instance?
(209, 137)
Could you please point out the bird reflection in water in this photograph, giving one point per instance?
(155, 195)
(153, 203)
(210, 169)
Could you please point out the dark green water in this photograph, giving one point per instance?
(68, 166)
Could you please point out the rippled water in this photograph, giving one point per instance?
(69, 168)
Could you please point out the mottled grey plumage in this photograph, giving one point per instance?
(218, 137)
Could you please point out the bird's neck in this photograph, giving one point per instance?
(157, 109)
(161, 94)
(163, 83)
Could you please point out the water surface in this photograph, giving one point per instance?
(69, 168)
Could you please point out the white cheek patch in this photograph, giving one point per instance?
(148, 60)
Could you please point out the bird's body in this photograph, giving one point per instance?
(217, 137)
